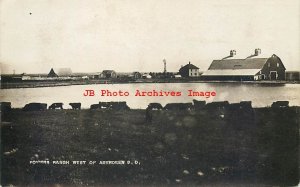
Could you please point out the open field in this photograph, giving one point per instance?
(177, 147)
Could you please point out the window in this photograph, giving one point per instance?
(277, 64)
(269, 64)
(195, 73)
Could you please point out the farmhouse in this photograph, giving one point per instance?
(248, 69)
(189, 70)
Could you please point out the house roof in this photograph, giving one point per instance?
(232, 64)
(189, 66)
(231, 72)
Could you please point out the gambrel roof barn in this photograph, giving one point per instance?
(248, 69)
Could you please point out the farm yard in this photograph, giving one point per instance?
(188, 148)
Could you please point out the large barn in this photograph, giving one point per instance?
(249, 69)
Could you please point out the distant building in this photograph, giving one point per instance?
(292, 75)
(108, 74)
(26, 77)
(63, 72)
(96, 75)
(146, 76)
(52, 73)
(248, 69)
(189, 70)
(136, 75)
(129, 75)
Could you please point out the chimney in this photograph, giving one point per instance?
(232, 53)
(189, 62)
(257, 52)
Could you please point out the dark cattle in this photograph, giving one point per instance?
(35, 107)
(148, 115)
(155, 106)
(56, 106)
(240, 115)
(234, 106)
(198, 105)
(119, 105)
(114, 105)
(246, 104)
(104, 105)
(5, 106)
(95, 106)
(243, 105)
(75, 106)
(178, 106)
(217, 105)
(280, 104)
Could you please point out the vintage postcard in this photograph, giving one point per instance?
(150, 92)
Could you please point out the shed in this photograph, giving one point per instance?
(52, 73)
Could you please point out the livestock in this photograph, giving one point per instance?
(156, 106)
(198, 105)
(119, 105)
(113, 105)
(148, 114)
(35, 107)
(280, 104)
(75, 106)
(94, 106)
(240, 115)
(104, 105)
(246, 104)
(243, 105)
(220, 105)
(178, 106)
(5, 106)
(56, 106)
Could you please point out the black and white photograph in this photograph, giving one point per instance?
(150, 93)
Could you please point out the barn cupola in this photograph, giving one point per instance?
(231, 54)
(257, 52)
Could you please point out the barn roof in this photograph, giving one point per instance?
(231, 72)
(232, 64)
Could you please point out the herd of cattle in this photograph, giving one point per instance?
(196, 105)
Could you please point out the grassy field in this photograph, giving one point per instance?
(177, 147)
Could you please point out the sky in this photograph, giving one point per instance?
(136, 35)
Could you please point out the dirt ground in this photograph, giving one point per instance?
(260, 146)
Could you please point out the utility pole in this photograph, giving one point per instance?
(165, 66)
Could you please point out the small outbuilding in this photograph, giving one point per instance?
(52, 73)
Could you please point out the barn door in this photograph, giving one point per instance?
(273, 75)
